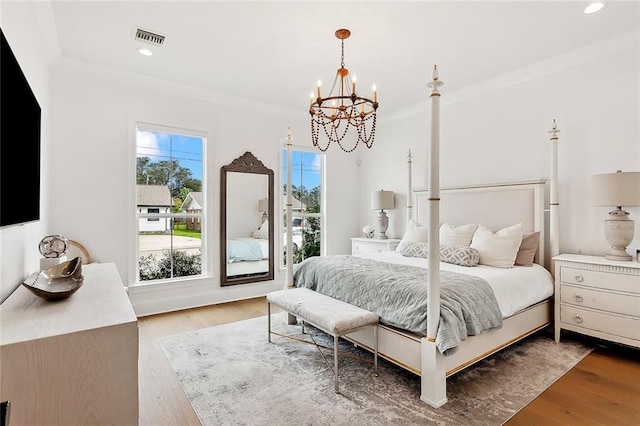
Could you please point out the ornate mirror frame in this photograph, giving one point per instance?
(246, 163)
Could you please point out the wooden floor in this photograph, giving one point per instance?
(603, 389)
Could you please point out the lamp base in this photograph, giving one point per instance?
(623, 257)
(383, 224)
(619, 230)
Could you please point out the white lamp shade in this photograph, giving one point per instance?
(620, 189)
(382, 200)
(263, 205)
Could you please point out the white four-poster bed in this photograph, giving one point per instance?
(496, 206)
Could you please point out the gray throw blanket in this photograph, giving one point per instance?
(398, 294)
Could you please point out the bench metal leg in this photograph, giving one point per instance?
(375, 349)
(335, 361)
(269, 320)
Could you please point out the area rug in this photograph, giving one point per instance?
(233, 376)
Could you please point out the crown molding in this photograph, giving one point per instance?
(602, 49)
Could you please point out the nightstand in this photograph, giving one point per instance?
(372, 245)
(598, 297)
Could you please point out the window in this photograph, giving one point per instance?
(307, 172)
(169, 203)
(153, 219)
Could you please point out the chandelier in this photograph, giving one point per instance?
(342, 110)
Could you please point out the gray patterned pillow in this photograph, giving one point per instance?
(457, 255)
(413, 249)
(460, 255)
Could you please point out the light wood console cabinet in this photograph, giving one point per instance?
(73, 361)
(598, 297)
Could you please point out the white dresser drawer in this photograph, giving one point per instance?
(365, 248)
(617, 325)
(598, 297)
(602, 300)
(600, 279)
(372, 245)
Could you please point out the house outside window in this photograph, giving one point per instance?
(307, 176)
(170, 216)
(192, 204)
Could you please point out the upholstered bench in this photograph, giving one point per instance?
(330, 315)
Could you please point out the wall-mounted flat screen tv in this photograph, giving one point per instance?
(19, 143)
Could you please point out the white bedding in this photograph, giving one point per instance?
(515, 288)
(264, 244)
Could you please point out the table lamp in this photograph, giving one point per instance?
(382, 200)
(617, 190)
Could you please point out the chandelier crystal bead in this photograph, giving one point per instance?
(334, 115)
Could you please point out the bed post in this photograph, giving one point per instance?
(554, 205)
(433, 376)
(409, 191)
(291, 319)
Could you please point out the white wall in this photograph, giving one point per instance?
(92, 169)
(243, 192)
(498, 133)
(19, 255)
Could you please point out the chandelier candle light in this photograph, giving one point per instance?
(342, 109)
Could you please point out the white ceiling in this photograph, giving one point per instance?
(274, 52)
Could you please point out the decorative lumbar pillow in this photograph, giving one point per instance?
(457, 255)
(456, 235)
(414, 249)
(415, 233)
(528, 249)
(499, 248)
(260, 234)
(460, 255)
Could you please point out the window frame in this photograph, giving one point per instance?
(323, 209)
(201, 216)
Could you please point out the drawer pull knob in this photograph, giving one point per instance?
(577, 318)
(577, 297)
(579, 278)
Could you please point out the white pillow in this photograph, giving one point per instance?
(415, 233)
(498, 248)
(265, 225)
(456, 235)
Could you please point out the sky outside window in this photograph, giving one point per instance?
(305, 169)
(187, 150)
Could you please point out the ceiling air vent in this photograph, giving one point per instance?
(149, 37)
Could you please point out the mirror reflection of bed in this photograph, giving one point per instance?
(246, 205)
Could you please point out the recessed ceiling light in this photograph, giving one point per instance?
(145, 52)
(593, 7)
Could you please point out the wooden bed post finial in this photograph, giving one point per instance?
(435, 82)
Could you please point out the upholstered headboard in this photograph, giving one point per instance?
(494, 205)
